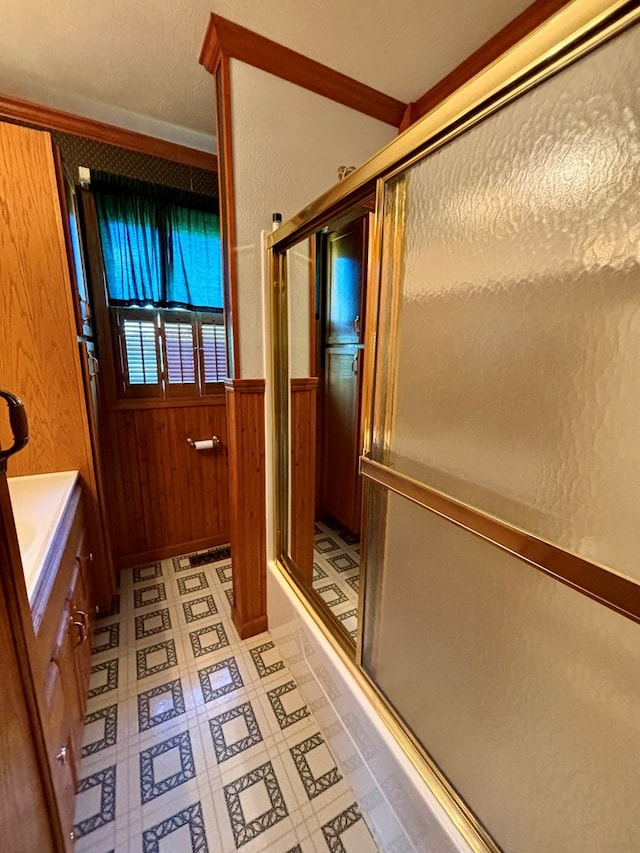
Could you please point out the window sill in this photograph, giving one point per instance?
(172, 403)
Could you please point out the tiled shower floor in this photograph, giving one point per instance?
(336, 572)
(197, 741)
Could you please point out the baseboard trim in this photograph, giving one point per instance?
(250, 628)
(131, 560)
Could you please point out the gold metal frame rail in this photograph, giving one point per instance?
(601, 584)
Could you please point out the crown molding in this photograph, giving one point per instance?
(224, 38)
(516, 30)
(47, 118)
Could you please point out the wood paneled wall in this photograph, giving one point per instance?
(165, 497)
(303, 472)
(245, 414)
(38, 351)
(39, 357)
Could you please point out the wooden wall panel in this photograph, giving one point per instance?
(167, 498)
(124, 490)
(38, 350)
(303, 472)
(39, 357)
(245, 410)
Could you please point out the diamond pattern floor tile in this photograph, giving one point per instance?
(197, 741)
(336, 572)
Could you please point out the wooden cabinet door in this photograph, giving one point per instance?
(341, 482)
(28, 816)
(82, 623)
(345, 268)
(62, 756)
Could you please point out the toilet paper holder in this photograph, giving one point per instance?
(205, 444)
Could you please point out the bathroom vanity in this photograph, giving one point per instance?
(57, 559)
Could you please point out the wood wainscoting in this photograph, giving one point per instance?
(247, 500)
(304, 392)
(166, 498)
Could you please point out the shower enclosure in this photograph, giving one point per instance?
(499, 584)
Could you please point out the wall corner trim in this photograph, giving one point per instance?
(245, 386)
(247, 503)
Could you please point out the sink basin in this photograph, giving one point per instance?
(38, 502)
(27, 535)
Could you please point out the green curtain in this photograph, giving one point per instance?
(160, 246)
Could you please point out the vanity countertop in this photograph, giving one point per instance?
(39, 502)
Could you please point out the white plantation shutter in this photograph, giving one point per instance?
(214, 353)
(141, 352)
(180, 353)
(168, 353)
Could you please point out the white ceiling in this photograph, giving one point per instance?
(134, 63)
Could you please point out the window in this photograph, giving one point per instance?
(168, 353)
(162, 262)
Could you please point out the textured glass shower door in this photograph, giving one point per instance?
(507, 399)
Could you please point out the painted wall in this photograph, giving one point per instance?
(287, 146)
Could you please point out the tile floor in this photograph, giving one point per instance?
(336, 572)
(197, 741)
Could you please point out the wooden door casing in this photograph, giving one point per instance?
(344, 282)
(303, 473)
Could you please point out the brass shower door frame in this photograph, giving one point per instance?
(569, 34)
